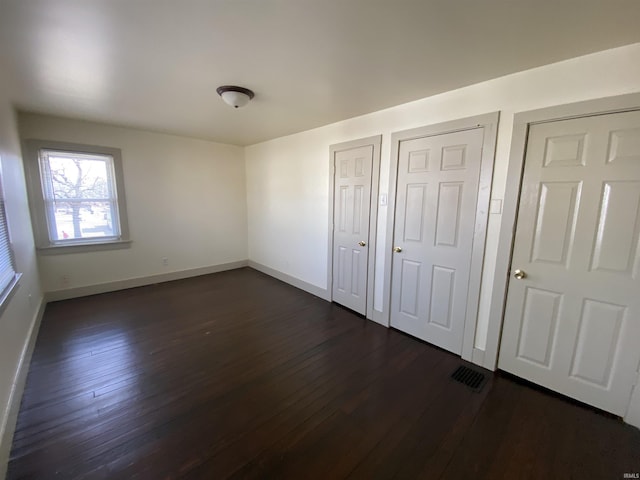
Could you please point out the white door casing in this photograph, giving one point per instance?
(354, 188)
(572, 323)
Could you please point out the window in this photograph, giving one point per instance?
(77, 196)
(8, 276)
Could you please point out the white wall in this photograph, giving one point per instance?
(288, 178)
(19, 317)
(185, 200)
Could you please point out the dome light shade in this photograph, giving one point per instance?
(235, 96)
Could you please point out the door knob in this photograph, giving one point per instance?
(519, 274)
(397, 249)
(362, 243)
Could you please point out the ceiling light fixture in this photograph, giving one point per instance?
(235, 96)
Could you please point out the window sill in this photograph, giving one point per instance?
(84, 247)
(9, 291)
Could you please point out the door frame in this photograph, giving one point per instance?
(489, 122)
(374, 141)
(511, 202)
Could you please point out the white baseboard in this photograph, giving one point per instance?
(10, 417)
(65, 294)
(296, 282)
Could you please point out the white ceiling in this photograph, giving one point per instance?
(155, 64)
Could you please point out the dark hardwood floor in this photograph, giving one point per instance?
(239, 375)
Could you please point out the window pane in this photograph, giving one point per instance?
(79, 177)
(83, 220)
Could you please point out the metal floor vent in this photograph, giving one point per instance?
(471, 378)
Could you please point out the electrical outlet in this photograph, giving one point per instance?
(165, 261)
(65, 280)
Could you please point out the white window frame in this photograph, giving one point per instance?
(13, 280)
(44, 243)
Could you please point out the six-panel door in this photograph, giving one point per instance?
(572, 323)
(437, 191)
(352, 203)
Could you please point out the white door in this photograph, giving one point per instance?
(435, 216)
(572, 322)
(351, 207)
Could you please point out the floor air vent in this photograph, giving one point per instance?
(471, 378)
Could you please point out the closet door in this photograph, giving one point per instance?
(435, 220)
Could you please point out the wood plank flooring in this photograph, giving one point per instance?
(237, 375)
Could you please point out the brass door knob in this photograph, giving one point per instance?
(397, 249)
(362, 243)
(519, 274)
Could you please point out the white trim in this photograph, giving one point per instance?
(379, 317)
(8, 292)
(477, 356)
(489, 123)
(10, 415)
(511, 199)
(37, 203)
(320, 292)
(83, 247)
(375, 142)
(65, 294)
